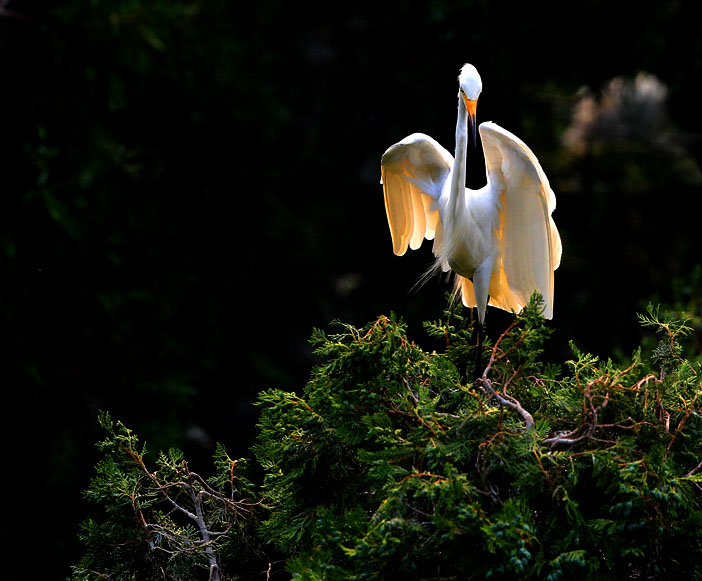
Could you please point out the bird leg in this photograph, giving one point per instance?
(479, 356)
(481, 287)
(477, 340)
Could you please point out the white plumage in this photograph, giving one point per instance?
(500, 241)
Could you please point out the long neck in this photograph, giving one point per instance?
(458, 175)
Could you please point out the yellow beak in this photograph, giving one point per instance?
(472, 107)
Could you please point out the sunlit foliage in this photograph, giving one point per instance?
(396, 462)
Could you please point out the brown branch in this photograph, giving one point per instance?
(420, 474)
(695, 469)
(681, 424)
(504, 399)
(508, 401)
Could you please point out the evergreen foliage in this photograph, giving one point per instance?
(168, 523)
(395, 462)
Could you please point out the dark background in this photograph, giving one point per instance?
(188, 188)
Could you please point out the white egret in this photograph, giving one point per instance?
(500, 241)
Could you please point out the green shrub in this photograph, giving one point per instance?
(395, 462)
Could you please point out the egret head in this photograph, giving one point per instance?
(470, 88)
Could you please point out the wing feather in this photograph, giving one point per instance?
(530, 246)
(413, 174)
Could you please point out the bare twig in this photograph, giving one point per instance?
(682, 422)
(204, 533)
(507, 401)
(504, 399)
(695, 470)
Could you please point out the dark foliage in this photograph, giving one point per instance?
(391, 464)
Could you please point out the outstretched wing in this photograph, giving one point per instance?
(413, 173)
(530, 246)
